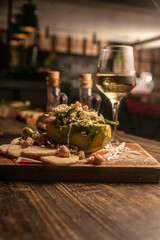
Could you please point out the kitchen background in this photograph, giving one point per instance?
(68, 37)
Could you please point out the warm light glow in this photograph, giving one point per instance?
(20, 35)
(14, 42)
(28, 29)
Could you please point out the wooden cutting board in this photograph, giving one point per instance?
(138, 168)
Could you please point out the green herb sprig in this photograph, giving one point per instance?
(111, 122)
(70, 111)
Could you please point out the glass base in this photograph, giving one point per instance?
(114, 139)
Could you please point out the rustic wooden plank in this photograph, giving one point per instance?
(137, 168)
(81, 173)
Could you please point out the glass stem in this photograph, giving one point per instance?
(115, 107)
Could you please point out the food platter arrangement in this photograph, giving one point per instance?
(75, 146)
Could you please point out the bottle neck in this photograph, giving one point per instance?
(86, 91)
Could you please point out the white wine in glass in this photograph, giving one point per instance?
(116, 76)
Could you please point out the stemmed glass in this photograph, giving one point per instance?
(115, 77)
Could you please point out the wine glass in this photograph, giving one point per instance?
(115, 77)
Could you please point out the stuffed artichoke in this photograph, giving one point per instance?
(78, 126)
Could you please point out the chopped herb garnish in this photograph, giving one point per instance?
(70, 111)
(78, 112)
(92, 110)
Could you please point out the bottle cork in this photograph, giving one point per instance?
(53, 78)
(86, 80)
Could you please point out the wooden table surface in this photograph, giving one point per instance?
(65, 210)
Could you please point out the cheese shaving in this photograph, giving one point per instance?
(114, 153)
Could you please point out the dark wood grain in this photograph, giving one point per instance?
(11, 126)
(37, 210)
(81, 211)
